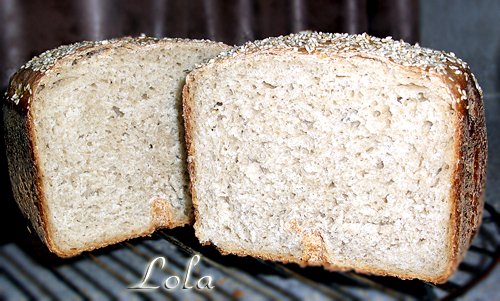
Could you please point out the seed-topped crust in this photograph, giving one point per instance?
(24, 162)
(21, 84)
(399, 52)
(469, 175)
(47, 59)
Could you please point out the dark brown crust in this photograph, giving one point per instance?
(468, 180)
(29, 190)
(32, 188)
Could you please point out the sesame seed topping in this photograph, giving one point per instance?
(334, 43)
(46, 60)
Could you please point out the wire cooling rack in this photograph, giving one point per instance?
(29, 272)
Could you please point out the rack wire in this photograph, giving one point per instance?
(27, 273)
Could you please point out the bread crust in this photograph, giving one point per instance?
(470, 150)
(23, 160)
(469, 177)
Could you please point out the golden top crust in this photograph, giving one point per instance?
(47, 59)
(335, 43)
(24, 81)
(454, 71)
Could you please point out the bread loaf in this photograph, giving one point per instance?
(95, 143)
(344, 151)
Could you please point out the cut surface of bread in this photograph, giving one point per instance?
(348, 152)
(95, 140)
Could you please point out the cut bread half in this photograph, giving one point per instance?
(348, 152)
(95, 140)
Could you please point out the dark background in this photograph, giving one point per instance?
(30, 27)
(471, 29)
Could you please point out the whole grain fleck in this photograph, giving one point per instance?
(335, 43)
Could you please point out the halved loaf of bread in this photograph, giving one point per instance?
(348, 152)
(95, 140)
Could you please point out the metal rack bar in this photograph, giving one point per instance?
(104, 290)
(69, 284)
(17, 284)
(271, 285)
(19, 269)
(115, 274)
(337, 295)
(147, 258)
(265, 291)
(76, 277)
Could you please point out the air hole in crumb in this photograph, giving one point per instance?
(428, 125)
(93, 85)
(399, 99)
(332, 185)
(439, 170)
(385, 199)
(145, 96)
(355, 123)
(376, 113)
(268, 85)
(117, 111)
(151, 146)
(446, 167)
(380, 164)
(218, 103)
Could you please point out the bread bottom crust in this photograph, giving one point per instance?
(97, 245)
(287, 259)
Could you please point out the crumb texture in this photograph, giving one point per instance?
(343, 162)
(109, 139)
